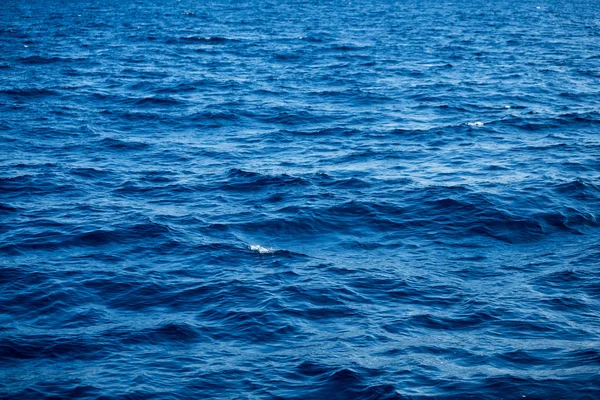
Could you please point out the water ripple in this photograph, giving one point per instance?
(303, 200)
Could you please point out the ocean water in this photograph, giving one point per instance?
(319, 199)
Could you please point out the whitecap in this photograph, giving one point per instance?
(477, 124)
(260, 249)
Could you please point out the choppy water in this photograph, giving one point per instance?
(299, 199)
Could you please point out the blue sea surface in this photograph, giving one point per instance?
(285, 199)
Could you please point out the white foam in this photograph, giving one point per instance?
(260, 249)
(477, 124)
(507, 107)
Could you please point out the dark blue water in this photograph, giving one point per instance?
(299, 199)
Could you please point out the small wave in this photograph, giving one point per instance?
(52, 347)
(477, 124)
(240, 180)
(213, 119)
(343, 383)
(39, 60)
(117, 144)
(172, 333)
(536, 123)
(29, 92)
(312, 38)
(350, 183)
(579, 189)
(157, 101)
(215, 40)
(294, 117)
(348, 47)
(338, 131)
(261, 250)
(7, 208)
(288, 57)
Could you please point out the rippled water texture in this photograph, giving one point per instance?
(299, 199)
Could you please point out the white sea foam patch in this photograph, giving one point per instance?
(260, 249)
(477, 124)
